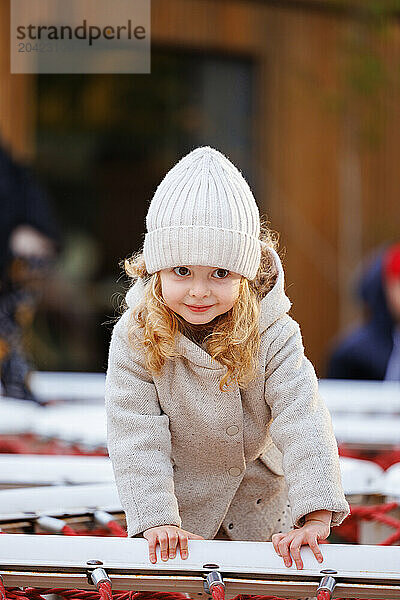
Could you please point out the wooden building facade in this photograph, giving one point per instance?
(325, 134)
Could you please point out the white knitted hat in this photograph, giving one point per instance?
(203, 213)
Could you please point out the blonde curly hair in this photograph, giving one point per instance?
(233, 338)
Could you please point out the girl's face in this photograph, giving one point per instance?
(189, 286)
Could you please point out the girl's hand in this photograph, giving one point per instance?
(309, 533)
(168, 537)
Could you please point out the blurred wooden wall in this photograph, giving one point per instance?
(17, 98)
(326, 156)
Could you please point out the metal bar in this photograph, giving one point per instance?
(194, 585)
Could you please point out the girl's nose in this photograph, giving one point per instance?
(200, 290)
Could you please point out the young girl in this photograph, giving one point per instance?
(215, 425)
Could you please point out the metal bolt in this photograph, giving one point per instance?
(92, 563)
(98, 576)
(213, 578)
(329, 572)
(327, 584)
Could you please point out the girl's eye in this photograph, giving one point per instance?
(223, 271)
(175, 269)
(178, 271)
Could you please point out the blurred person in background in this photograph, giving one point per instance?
(29, 244)
(372, 351)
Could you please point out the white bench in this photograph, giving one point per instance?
(246, 567)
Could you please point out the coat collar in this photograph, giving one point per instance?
(272, 306)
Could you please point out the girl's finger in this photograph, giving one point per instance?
(316, 549)
(194, 536)
(295, 551)
(183, 543)
(152, 540)
(275, 541)
(173, 542)
(283, 546)
(163, 541)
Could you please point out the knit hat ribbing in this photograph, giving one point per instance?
(203, 213)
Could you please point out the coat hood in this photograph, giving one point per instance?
(273, 305)
(371, 291)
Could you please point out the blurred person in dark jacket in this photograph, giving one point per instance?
(29, 243)
(372, 351)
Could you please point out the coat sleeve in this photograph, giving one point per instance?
(138, 438)
(301, 428)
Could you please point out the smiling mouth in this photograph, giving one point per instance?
(198, 307)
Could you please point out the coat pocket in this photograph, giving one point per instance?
(272, 458)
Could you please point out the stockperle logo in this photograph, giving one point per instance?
(80, 36)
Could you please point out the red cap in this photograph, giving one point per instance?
(391, 263)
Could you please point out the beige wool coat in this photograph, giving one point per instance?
(185, 453)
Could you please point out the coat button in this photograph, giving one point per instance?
(232, 430)
(230, 526)
(234, 471)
